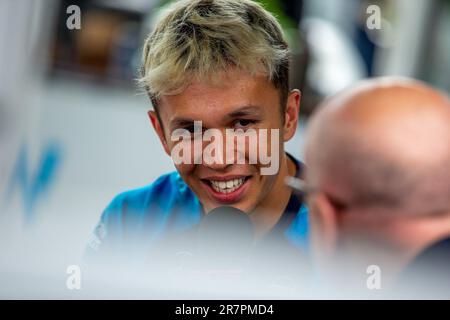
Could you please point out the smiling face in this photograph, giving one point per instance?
(242, 102)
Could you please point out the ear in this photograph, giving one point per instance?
(291, 114)
(324, 223)
(159, 130)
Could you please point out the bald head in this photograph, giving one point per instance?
(384, 143)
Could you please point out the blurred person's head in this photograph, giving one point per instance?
(378, 157)
(224, 63)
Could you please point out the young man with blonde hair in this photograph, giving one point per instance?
(223, 64)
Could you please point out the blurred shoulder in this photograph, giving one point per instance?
(168, 190)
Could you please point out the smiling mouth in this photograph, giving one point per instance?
(226, 186)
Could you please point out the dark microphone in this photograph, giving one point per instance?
(220, 246)
(225, 237)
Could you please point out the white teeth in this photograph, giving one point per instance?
(227, 186)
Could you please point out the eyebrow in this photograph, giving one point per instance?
(181, 123)
(245, 111)
(250, 110)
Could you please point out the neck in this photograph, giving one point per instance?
(267, 214)
(395, 243)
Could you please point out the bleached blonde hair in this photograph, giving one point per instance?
(202, 38)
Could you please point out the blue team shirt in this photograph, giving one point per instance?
(135, 220)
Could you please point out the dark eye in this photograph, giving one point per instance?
(244, 123)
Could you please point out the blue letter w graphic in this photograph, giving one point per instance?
(33, 187)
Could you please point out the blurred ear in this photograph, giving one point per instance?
(159, 130)
(325, 229)
(291, 114)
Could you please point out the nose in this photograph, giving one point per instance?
(219, 155)
(216, 159)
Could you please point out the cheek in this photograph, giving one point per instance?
(185, 154)
(258, 147)
(269, 143)
(185, 170)
(264, 185)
